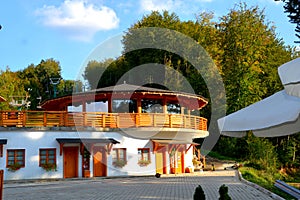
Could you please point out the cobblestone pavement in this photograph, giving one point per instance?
(141, 188)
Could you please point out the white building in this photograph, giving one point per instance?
(117, 131)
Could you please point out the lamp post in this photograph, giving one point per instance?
(54, 82)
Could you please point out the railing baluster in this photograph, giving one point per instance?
(103, 120)
(24, 119)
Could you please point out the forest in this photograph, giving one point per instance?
(244, 47)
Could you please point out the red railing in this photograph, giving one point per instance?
(99, 120)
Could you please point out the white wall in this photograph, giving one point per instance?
(33, 141)
(132, 168)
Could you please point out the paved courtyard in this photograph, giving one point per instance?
(141, 188)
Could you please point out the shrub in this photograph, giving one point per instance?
(199, 193)
(223, 191)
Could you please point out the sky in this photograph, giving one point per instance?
(69, 31)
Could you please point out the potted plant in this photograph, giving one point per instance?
(14, 167)
(223, 191)
(144, 162)
(49, 167)
(199, 193)
(119, 163)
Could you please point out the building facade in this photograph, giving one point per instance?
(124, 130)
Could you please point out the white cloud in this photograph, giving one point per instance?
(78, 19)
(159, 5)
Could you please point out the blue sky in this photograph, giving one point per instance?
(69, 30)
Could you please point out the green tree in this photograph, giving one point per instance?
(94, 70)
(134, 40)
(38, 79)
(105, 73)
(12, 88)
(251, 54)
(292, 7)
(288, 150)
(202, 31)
(261, 153)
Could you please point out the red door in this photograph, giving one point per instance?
(70, 162)
(99, 159)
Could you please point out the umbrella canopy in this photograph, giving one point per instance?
(274, 116)
(277, 115)
(289, 74)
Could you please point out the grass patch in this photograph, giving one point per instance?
(264, 179)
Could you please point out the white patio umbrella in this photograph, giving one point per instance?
(277, 115)
(289, 74)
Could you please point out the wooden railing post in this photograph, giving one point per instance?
(137, 123)
(24, 119)
(118, 121)
(170, 121)
(65, 117)
(1, 120)
(184, 121)
(45, 119)
(103, 120)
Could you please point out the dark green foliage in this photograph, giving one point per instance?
(223, 191)
(199, 193)
(105, 73)
(262, 153)
(292, 7)
(247, 52)
(38, 79)
(33, 84)
(10, 86)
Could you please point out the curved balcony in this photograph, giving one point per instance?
(164, 125)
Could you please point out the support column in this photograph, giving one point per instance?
(182, 161)
(109, 105)
(83, 106)
(165, 108)
(182, 110)
(139, 105)
(165, 163)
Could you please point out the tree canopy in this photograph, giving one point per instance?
(33, 84)
(247, 52)
(292, 7)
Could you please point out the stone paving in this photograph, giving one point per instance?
(175, 187)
